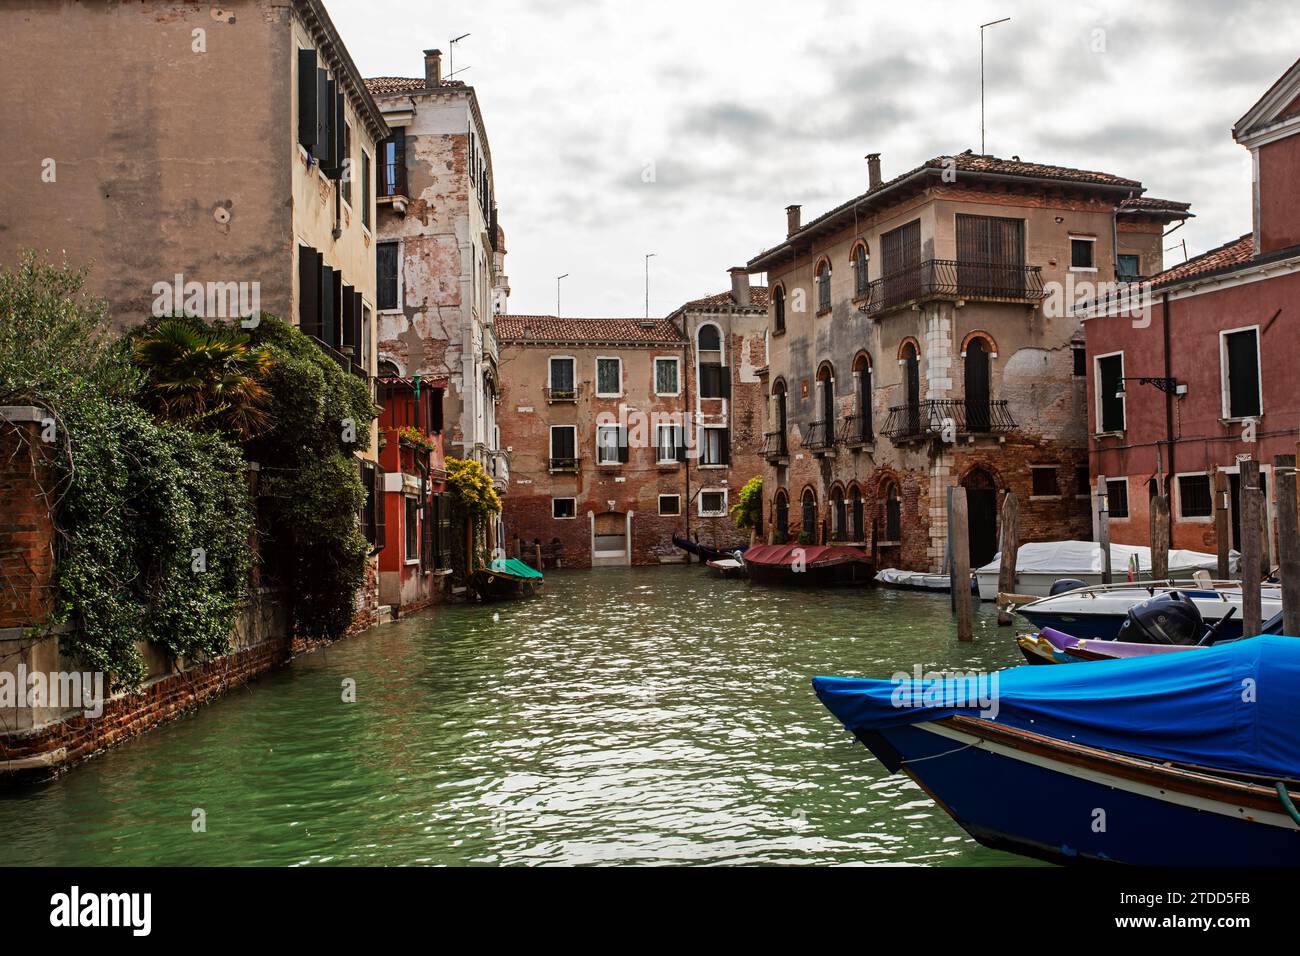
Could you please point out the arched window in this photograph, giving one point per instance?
(893, 511)
(839, 515)
(709, 339)
(809, 507)
(782, 517)
(860, 279)
(862, 428)
(823, 286)
(714, 376)
(912, 389)
(976, 366)
(858, 514)
(823, 428)
(780, 422)
(778, 309)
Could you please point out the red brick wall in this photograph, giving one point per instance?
(26, 532)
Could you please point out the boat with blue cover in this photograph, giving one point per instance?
(1176, 759)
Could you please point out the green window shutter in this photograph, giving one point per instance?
(307, 104)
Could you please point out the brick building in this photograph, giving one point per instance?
(1180, 394)
(919, 340)
(441, 253)
(624, 432)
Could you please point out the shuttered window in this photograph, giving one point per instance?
(990, 255)
(1241, 358)
(670, 443)
(901, 247)
(1110, 402)
(411, 539)
(715, 380)
(717, 446)
(386, 267)
(609, 376)
(307, 104)
(611, 445)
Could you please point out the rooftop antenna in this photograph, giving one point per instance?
(1176, 245)
(991, 23)
(648, 257)
(461, 70)
(451, 54)
(557, 293)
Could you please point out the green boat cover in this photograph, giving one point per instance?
(515, 567)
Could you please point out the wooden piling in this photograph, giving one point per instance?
(1103, 529)
(1222, 525)
(1250, 548)
(1160, 538)
(1010, 546)
(959, 530)
(1288, 542)
(538, 551)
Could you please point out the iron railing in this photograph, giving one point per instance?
(566, 393)
(564, 464)
(819, 435)
(954, 279)
(935, 416)
(856, 430)
(774, 445)
(392, 179)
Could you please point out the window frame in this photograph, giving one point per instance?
(573, 371)
(573, 429)
(619, 432)
(823, 285)
(860, 258)
(1128, 510)
(677, 374)
(1099, 405)
(704, 446)
(609, 358)
(680, 432)
(1091, 258)
(1225, 384)
(410, 529)
(670, 514)
(558, 517)
(1056, 481)
(1178, 494)
(711, 514)
(401, 255)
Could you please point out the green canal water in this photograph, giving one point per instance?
(627, 717)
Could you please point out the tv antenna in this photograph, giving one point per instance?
(991, 23)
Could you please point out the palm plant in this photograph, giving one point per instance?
(204, 376)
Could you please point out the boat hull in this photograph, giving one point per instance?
(1088, 807)
(494, 586)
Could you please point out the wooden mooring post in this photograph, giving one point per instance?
(1010, 546)
(958, 530)
(1288, 542)
(1222, 526)
(1160, 538)
(1103, 529)
(1251, 548)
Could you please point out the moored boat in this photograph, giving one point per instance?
(506, 579)
(814, 565)
(1039, 565)
(1157, 761)
(706, 552)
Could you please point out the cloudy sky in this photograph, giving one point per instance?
(685, 128)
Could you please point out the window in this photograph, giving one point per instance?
(1117, 497)
(564, 442)
(823, 287)
(1130, 267)
(859, 516)
(1194, 499)
(713, 504)
(839, 516)
(1045, 483)
(990, 255)
(392, 180)
(709, 338)
(1081, 253)
(412, 529)
(1239, 371)
(778, 309)
(670, 444)
(348, 172)
(670, 504)
(1080, 355)
(561, 378)
(439, 525)
(860, 281)
(715, 380)
(716, 446)
(609, 377)
(388, 294)
(611, 445)
(1110, 400)
(564, 507)
(782, 517)
(666, 376)
(1082, 481)
(808, 508)
(893, 514)
(365, 189)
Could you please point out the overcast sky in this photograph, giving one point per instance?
(733, 110)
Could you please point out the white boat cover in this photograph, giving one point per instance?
(1073, 558)
(913, 579)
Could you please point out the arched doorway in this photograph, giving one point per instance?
(808, 523)
(782, 517)
(981, 515)
(978, 417)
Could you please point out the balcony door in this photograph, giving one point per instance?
(978, 417)
(990, 256)
(900, 251)
(912, 388)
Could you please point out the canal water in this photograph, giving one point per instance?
(630, 716)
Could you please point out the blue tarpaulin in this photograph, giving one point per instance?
(1232, 707)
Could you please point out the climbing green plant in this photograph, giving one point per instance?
(474, 502)
(747, 510)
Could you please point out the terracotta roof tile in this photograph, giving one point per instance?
(382, 85)
(549, 328)
(1150, 202)
(1235, 253)
(758, 298)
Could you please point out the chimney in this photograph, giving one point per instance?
(873, 169)
(739, 286)
(791, 220)
(432, 68)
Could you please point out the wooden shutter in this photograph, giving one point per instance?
(334, 168)
(622, 444)
(724, 382)
(324, 116)
(308, 289)
(435, 410)
(381, 509)
(427, 526)
(679, 437)
(356, 332)
(724, 447)
(327, 304)
(307, 105)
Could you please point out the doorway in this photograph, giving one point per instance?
(610, 538)
(981, 516)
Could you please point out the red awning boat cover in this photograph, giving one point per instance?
(810, 555)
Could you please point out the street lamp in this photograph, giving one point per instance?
(1170, 386)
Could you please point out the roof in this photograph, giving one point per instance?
(1274, 114)
(976, 167)
(1166, 209)
(758, 299)
(1230, 254)
(550, 329)
(384, 85)
(324, 34)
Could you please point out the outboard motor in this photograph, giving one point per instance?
(1061, 585)
(1171, 618)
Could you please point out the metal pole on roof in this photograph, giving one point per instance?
(648, 257)
(451, 54)
(557, 293)
(991, 23)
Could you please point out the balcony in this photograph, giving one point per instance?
(819, 437)
(563, 465)
(951, 279)
(774, 447)
(856, 431)
(562, 394)
(392, 179)
(499, 468)
(955, 416)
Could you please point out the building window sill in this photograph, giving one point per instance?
(821, 312)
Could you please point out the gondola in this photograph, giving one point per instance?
(706, 553)
(811, 565)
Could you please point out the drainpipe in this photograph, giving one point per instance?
(1170, 398)
(687, 366)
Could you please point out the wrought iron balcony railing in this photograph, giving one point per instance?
(392, 179)
(936, 416)
(819, 435)
(953, 279)
(564, 464)
(774, 445)
(562, 394)
(856, 430)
